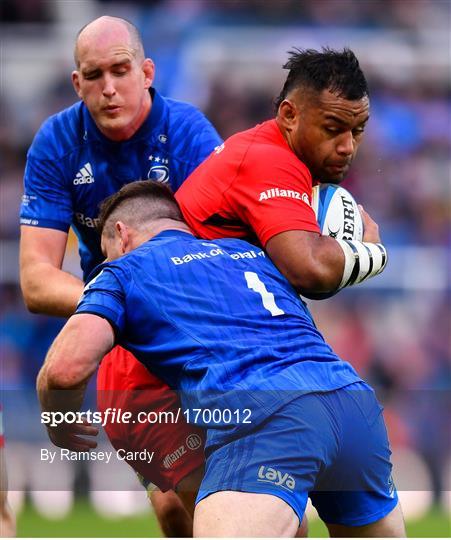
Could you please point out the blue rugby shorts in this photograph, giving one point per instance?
(331, 446)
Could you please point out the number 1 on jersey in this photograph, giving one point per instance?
(255, 284)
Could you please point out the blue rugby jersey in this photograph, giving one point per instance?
(217, 321)
(71, 166)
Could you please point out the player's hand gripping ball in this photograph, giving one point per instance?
(338, 216)
(337, 212)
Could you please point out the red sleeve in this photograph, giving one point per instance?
(272, 193)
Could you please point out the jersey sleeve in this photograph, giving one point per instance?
(46, 201)
(272, 193)
(104, 296)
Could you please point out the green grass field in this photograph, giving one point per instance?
(85, 522)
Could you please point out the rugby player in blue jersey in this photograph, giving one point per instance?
(121, 130)
(218, 322)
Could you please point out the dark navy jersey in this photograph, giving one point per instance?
(71, 166)
(217, 321)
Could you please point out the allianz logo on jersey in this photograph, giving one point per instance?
(289, 193)
(193, 442)
(273, 476)
(84, 175)
(171, 458)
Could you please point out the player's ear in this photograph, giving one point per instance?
(148, 68)
(287, 113)
(76, 83)
(123, 236)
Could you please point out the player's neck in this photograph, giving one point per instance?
(285, 133)
(159, 226)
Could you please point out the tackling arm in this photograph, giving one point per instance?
(309, 261)
(313, 263)
(69, 364)
(45, 287)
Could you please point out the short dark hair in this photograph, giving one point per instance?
(138, 203)
(337, 71)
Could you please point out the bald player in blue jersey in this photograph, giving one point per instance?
(285, 417)
(121, 130)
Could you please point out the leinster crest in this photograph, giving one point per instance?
(158, 171)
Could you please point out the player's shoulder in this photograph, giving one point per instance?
(265, 147)
(59, 133)
(136, 265)
(184, 113)
(268, 140)
(113, 274)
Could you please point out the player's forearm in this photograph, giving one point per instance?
(320, 264)
(62, 380)
(55, 402)
(54, 398)
(71, 360)
(49, 290)
(326, 267)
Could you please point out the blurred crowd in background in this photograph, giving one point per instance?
(226, 57)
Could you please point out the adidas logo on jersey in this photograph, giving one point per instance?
(276, 192)
(84, 175)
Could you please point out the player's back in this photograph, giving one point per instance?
(215, 318)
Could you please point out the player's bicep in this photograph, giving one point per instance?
(291, 252)
(45, 286)
(40, 251)
(309, 261)
(41, 245)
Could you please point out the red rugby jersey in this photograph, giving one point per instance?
(253, 186)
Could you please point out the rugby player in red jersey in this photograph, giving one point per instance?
(258, 184)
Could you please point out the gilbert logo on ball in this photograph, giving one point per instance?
(337, 212)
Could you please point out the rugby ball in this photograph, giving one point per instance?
(337, 212)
